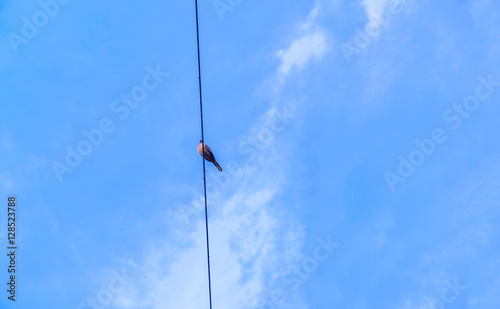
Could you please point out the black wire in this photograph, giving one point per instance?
(203, 154)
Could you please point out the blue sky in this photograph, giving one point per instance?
(358, 139)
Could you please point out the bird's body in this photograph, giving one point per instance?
(208, 155)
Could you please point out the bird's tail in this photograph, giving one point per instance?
(217, 166)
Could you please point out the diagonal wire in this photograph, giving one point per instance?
(203, 151)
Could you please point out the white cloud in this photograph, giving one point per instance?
(380, 13)
(374, 8)
(311, 43)
(242, 249)
(301, 50)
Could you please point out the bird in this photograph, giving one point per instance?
(208, 155)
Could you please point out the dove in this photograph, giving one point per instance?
(209, 155)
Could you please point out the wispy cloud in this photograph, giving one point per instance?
(303, 49)
(374, 9)
(379, 13)
(243, 254)
(310, 44)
